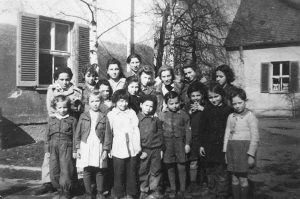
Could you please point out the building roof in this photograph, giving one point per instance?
(265, 23)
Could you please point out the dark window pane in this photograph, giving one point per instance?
(276, 68)
(60, 61)
(285, 68)
(45, 69)
(45, 37)
(61, 37)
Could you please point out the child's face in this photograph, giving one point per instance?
(220, 78)
(189, 74)
(166, 77)
(104, 90)
(238, 104)
(196, 96)
(134, 64)
(63, 80)
(62, 108)
(122, 104)
(94, 102)
(145, 79)
(133, 88)
(113, 71)
(215, 98)
(90, 78)
(147, 107)
(173, 104)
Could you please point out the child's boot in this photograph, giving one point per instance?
(236, 191)
(244, 192)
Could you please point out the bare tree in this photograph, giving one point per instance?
(199, 30)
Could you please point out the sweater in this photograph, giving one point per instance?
(242, 127)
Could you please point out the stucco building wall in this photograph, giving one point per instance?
(247, 67)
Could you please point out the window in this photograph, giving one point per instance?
(279, 77)
(45, 44)
(54, 49)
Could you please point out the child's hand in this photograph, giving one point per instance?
(187, 148)
(104, 155)
(161, 154)
(202, 151)
(74, 155)
(251, 161)
(109, 155)
(143, 155)
(78, 156)
(47, 154)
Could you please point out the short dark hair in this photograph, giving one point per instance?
(151, 98)
(120, 94)
(60, 98)
(149, 70)
(239, 92)
(62, 69)
(106, 83)
(89, 68)
(166, 68)
(134, 55)
(170, 95)
(115, 61)
(197, 86)
(228, 72)
(216, 88)
(131, 79)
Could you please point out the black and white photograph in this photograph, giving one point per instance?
(149, 99)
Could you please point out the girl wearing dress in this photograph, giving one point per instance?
(240, 143)
(92, 144)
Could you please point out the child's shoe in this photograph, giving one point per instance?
(184, 194)
(129, 197)
(155, 195)
(100, 196)
(44, 188)
(172, 194)
(143, 195)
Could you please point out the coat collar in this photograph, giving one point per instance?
(87, 116)
(141, 116)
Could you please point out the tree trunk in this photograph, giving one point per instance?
(93, 36)
(162, 37)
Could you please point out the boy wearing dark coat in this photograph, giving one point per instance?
(152, 144)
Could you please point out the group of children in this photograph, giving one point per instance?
(134, 130)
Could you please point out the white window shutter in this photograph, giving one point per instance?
(83, 49)
(27, 50)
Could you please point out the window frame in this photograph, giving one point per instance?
(28, 52)
(280, 76)
(56, 53)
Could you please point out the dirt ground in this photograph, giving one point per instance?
(277, 174)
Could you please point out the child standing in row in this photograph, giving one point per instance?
(133, 88)
(224, 76)
(177, 138)
(115, 74)
(125, 145)
(91, 145)
(198, 95)
(106, 93)
(152, 148)
(89, 75)
(211, 140)
(240, 143)
(59, 145)
(146, 78)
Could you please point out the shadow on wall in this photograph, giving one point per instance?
(12, 136)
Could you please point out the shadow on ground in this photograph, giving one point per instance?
(12, 135)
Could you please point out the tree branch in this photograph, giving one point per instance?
(114, 26)
(74, 16)
(89, 6)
